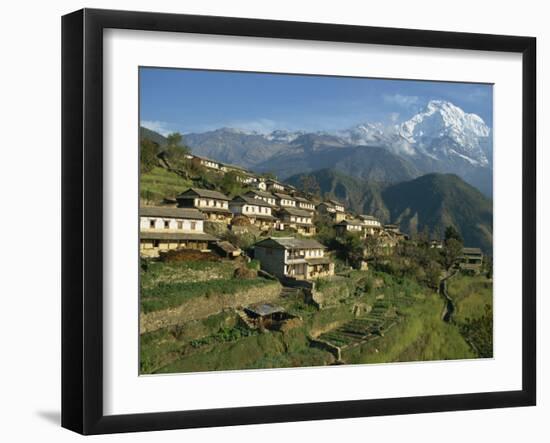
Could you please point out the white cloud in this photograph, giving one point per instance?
(157, 126)
(261, 125)
(404, 101)
(394, 117)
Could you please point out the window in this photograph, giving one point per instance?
(180, 224)
(166, 224)
(152, 223)
(193, 226)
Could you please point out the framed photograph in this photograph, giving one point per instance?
(269, 221)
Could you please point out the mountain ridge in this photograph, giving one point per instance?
(440, 138)
(432, 200)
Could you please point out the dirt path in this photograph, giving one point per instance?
(449, 303)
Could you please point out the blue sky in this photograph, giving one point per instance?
(197, 101)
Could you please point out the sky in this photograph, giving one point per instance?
(181, 100)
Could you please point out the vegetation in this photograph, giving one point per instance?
(427, 204)
(473, 297)
(167, 285)
(159, 183)
(392, 312)
(401, 311)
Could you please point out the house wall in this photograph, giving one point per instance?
(210, 164)
(306, 206)
(151, 248)
(287, 203)
(210, 203)
(249, 210)
(271, 260)
(196, 226)
(294, 219)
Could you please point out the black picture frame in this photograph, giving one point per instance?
(82, 218)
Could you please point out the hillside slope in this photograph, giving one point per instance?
(434, 201)
(364, 162)
(440, 200)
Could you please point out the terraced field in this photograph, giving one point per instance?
(380, 319)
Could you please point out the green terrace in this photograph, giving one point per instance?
(168, 285)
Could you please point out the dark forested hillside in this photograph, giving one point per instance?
(430, 202)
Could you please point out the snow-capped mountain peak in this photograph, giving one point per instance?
(443, 129)
(283, 136)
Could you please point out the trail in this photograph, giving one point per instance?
(449, 305)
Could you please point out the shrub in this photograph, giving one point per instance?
(175, 255)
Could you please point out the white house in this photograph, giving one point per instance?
(259, 184)
(284, 200)
(305, 204)
(372, 224)
(351, 226)
(339, 207)
(274, 185)
(256, 210)
(298, 219)
(267, 197)
(213, 204)
(163, 228)
(330, 209)
(302, 259)
(210, 164)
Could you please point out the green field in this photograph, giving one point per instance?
(167, 285)
(160, 183)
(408, 314)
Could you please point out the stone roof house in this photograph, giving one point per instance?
(171, 228)
(213, 204)
(258, 211)
(302, 259)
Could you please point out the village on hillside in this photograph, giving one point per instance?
(267, 207)
(222, 270)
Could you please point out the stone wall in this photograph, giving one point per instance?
(202, 307)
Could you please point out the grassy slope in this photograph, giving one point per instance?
(470, 295)
(440, 200)
(169, 285)
(421, 335)
(218, 342)
(160, 183)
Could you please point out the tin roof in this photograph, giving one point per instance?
(263, 309)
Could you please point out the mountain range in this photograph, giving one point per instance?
(431, 171)
(440, 138)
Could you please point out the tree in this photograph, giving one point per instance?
(424, 236)
(451, 232)
(373, 247)
(310, 185)
(230, 184)
(451, 253)
(147, 155)
(352, 248)
(176, 151)
(174, 139)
